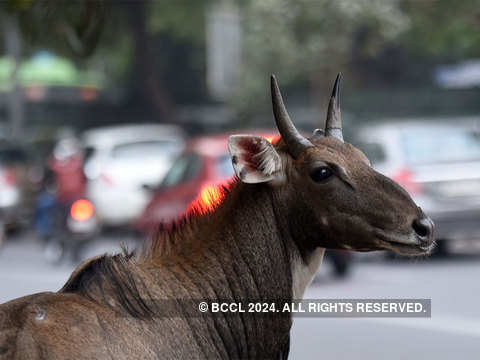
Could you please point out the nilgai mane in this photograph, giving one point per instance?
(264, 240)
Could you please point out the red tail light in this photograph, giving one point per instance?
(10, 177)
(404, 177)
(82, 210)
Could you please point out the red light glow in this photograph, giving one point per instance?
(82, 210)
(272, 139)
(209, 197)
(10, 177)
(405, 178)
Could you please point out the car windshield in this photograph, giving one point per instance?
(430, 145)
(224, 166)
(373, 151)
(12, 156)
(185, 168)
(140, 150)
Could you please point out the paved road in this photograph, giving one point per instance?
(23, 269)
(452, 332)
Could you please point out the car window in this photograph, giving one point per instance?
(184, 169)
(140, 150)
(373, 151)
(424, 146)
(224, 166)
(12, 156)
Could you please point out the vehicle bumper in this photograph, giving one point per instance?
(12, 216)
(115, 207)
(457, 225)
(83, 229)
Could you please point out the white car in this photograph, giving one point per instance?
(438, 162)
(121, 160)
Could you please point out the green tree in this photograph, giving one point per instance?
(312, 39)
(122, 39)
(446, 30)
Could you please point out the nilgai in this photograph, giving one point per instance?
(264, 240)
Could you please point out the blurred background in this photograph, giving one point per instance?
(114, 117)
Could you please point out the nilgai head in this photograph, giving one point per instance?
(333, 197)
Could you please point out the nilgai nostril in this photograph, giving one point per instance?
(423, 227)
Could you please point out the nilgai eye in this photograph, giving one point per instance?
(321, 174)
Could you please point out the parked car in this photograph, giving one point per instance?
(204, 164)
(438, 163)
(120, 159)
(17, 186)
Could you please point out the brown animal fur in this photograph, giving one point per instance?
(247, 248)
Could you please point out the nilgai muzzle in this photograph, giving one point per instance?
(263, 241)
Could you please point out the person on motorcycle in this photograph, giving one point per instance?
(64, 182)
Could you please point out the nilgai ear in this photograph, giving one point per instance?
(254, 159)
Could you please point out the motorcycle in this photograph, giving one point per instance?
(72, 226)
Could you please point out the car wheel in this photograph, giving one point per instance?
(442, 248)
(341, 263)
(3, 233)
(341, 270)
(390, 255)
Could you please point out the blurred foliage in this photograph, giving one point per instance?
(17, 5)
(310, 40)
(444, 29)
(183, 19)
(141, 47)
(74, 28)
(155, 50)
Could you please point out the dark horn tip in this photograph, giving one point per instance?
(336, 87)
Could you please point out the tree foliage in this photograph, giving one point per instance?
(156, 49)
(446, 30)
(313, 38)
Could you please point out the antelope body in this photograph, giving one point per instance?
(264, 240)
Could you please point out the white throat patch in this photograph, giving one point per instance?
(303, 273)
